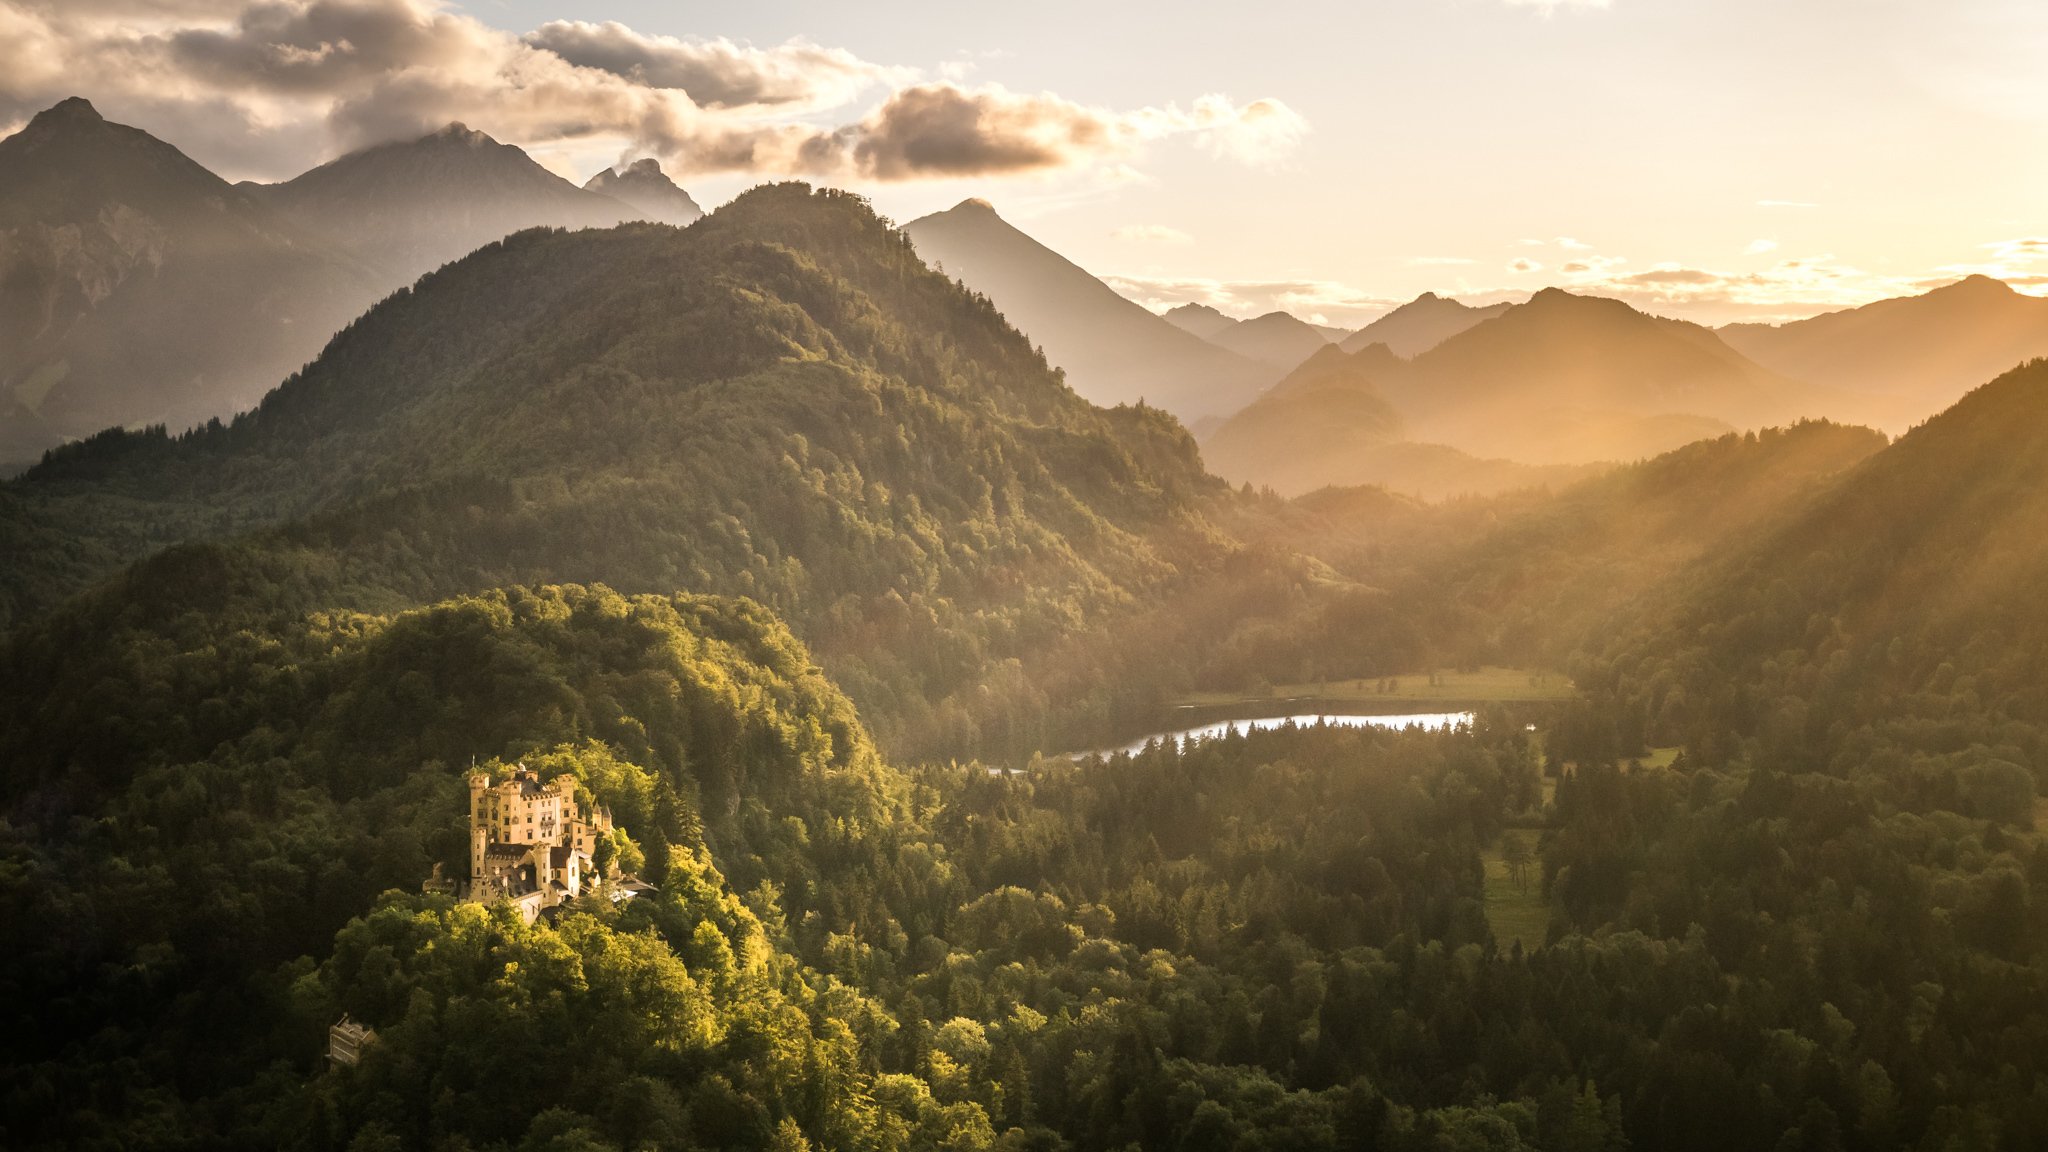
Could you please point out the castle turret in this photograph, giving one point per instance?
(479, 843)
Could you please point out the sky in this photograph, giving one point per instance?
(1716, 160)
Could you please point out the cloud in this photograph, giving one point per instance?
(2022, 250)
(1523, 266)
(1152, 234)
(262, 86)
(1759, 247)
(942, 129)
(1571, 245)
(798, 75)
(1316, 301)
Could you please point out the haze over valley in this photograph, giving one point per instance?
(1056, 580)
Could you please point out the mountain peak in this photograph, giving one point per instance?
(74, 109)
(1978, 283)
(975, 204)
(455, 131)
(643, 186)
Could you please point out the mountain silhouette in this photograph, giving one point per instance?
(1571, 379)
(1922, 352)
(1327, 424)
(1114, 350)
(408, 207)
(137, 287)
(1276, 338)
(643, 187)
(1421, 324)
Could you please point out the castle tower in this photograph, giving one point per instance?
(479, 840)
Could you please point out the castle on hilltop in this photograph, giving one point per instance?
(531, 843)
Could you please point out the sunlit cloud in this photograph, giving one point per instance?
(1152, 234)
(1523, 266)
(1760, 247)
(941, 129)
(265, 87)
(1571, 245)
(796, 76)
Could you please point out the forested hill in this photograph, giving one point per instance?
(780, 401)
(1907, 595)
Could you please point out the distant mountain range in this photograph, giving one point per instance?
(1328, 423)
(1420, 325)
(643, 187)
(136, 287)
(1569, 379)
(1921, 352)
(1113, 349)
(1527, 394)
(1277, 338)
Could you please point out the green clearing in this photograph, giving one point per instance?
(1485, 686)
(1516, 911)
(1659, 757)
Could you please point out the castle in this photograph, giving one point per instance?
(531, 843)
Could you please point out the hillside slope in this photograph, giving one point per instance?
(781, 402)
(1907, 596)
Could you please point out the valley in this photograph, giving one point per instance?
(492, 662)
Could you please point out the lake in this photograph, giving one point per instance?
(1432, 721)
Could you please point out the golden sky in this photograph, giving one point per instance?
(1715, 159)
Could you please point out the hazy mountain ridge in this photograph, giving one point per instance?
(136, 287)
(1922, 351)
(410, 206)
(643, 187)
(1114, 350)
(1276, 339)
(1420, 325)
(1567, 378)
(1327, 423)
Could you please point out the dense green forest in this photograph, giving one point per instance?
(791, 553)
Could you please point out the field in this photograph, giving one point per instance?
(1485, 686)
(1516, 911)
